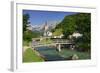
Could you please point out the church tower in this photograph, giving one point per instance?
(45, 28)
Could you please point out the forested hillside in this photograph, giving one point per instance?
(81, 23)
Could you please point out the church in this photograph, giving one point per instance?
(46, 33)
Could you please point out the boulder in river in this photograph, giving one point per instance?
(75, 57)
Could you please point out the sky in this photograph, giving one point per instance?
(40, 17)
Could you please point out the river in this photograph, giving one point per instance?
(49, 54)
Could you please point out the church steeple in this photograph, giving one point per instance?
(46, 26)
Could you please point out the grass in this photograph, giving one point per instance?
(25, 43)
(31, 56)
(57, 32)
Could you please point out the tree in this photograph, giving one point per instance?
(57, 32)
(84, 25)
(25, 22)
(80, 22)
(68, 25)
(28, 35)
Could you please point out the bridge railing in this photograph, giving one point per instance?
(57, 41)
(61, 41)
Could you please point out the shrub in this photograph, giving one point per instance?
(28, 35)
(83, 47)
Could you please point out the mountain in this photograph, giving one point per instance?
(40, 28)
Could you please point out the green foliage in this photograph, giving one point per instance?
(83, 46)
(25, 21)
(83, 22)
(31, 56)
(57, 32)
(80, 22)
(28, 35)
(84, 26)
(68, 25)
(26, 43)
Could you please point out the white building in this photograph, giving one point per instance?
(49, 33)
(76, 35)
(60, 36)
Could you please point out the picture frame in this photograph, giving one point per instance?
(16, 28)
